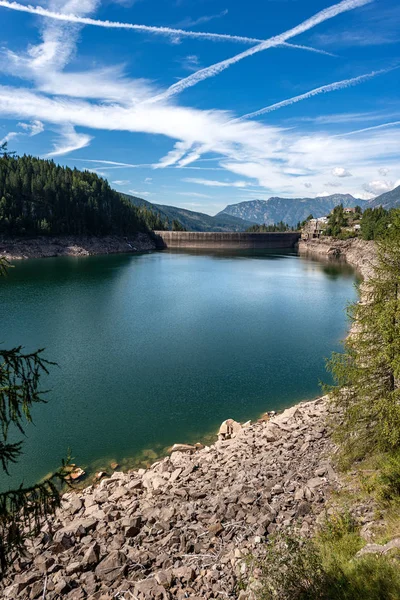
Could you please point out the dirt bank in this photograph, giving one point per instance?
(16, 248)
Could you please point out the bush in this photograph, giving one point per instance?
(292, 570)
(389, 478)
(326, 568)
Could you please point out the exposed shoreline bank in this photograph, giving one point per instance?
(357, 253)
(18, 248)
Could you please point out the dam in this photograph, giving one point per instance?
(215, 240)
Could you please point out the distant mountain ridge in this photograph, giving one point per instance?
(240, 216)
(289, 210)
(387, 200)
(191, 220)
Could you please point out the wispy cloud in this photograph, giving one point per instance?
(382, 126)
(331, 87)
(190, 62)
(346, 117)
(113, 163)
(139, 194)
(10, 136)
(69, 141)
(215, 183)
(194, 194)
(215, 69)
(30, 129)
(189, 22)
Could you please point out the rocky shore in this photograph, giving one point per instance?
(16, 248)
(184, 527)
(357, 253)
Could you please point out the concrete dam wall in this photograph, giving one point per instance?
(206, 239)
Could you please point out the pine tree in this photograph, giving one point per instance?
(23, 510)
(367, 374)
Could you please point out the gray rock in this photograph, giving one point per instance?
(111, 567)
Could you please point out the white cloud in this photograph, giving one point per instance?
(69, 140)
(281, 161)
(378, 187)
(33, 128)
(341, 172)
(148, 180)
(333, 184)
(120, 182)
(215, 183)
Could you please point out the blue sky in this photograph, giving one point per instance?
(292, 98)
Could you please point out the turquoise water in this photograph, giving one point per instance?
(161, 348)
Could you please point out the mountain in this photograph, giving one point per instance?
(288, 210)
(387, 200)
(193, 221)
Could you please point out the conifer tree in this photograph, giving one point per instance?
(367, 374)
(22, 510)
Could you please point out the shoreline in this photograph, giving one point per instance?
(19, 248)
(184, 526)
(359, 254)
(325, 249)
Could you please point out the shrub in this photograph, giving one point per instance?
(389, 478)
(326, 568)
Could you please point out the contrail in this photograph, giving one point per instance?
(331, 87)
(323, 15)
(70, 18)
(309, 48)
(392, 124)
(167, 31)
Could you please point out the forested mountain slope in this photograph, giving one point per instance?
(193, 221)
(39, 197)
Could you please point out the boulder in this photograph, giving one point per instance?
(111, 567)
(229, 429)
(183, 448)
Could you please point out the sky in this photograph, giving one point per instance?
(204, 103)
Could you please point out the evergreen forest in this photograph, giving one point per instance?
(38, 197)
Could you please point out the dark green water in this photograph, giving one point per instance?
(161, 348)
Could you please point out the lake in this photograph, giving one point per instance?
(160, 348)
